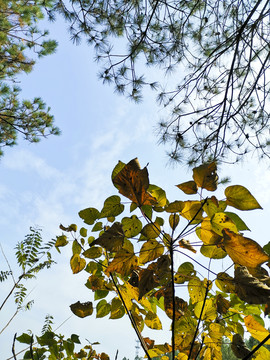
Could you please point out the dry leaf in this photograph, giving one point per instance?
(186, 245)
(249, 288)
(238, 346)
(112, 239)
(242, 250)
(147, 282)
(133, 182)
(188, 187)
(82, 309)
(206, 177)
(256, 329)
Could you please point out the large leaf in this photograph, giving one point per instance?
(112, 207)
(117, 309)
(152, 321)
(240, 198)
(112, 239)
(133, 182)
(209, 312)
(206, 177)
(206, 234)
(131, 226)
(192, 210)
(82, 309)
(77, 263)
(212, 252)
(239, 347)
(159, 194)
(256, 329)
(123, 263)
(188, 187)
(221, 221)
(242, 250)
(89, 215)
(150, 251)
(147, 282)
(196, 289)
(102, 309)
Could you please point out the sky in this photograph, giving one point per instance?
(48, 183)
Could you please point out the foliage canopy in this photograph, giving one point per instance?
(19, 38)
(218, 51)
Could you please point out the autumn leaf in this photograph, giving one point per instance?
(112, 207)
(249, 288)
(192, 210)
(239, 347)
(188, 187)
(221, 221)
(240, 198)
(152, 321)
(242, 250)
(174, 220)
(77, 263)
(82, 309)
(212, 252)
(256, 329)
(150, 251)
(123, 263)
(205, 176)
(185, 244)
(133, 183)
(222, 304)
(112, 239)
(147, 282)
(225, 283)
(197, 288)
(117, 309)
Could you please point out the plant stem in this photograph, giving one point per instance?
(256, 348)
(173, 301)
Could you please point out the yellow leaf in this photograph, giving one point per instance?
(77, 263)
(123, 263)
(82, 309)
(129, 293)
(240, 198)
(174, 220)
(255, 329)
(152, 321)
(221, 221)
(206, 234)
(150, 251)
(225, 283)
(261, 354)
(197, 288)
(206, 177)
(216, 331)
(133, 183)
(189, 187)
(242, 250)
(209, 311)
(192, 210)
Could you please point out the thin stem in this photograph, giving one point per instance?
(13, 347)
(173, 301)
(256, 348)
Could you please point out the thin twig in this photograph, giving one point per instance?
(248, 356)
(13, 347)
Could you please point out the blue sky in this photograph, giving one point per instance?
(47, 184)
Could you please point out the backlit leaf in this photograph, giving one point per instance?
(192, 210)
(123, 263)
(150, 251)
(174, 220)
(129, 293)
(222, 304)
(159, 194)
(93, 253)
(117, 309)
(131, 226)
(102, 309)
(225, 283)
(212, 206)
(151, 231)
(261, 354)
(181, 305)
(133, 183)
(240, 198)
(147, 282)
(206, 234)
(83, 232)
(255, 329)
(197, 288)
(184, 273)
(112, 239)
(77, 263)
(240, 224)
(242, 250)
(76, 247)
(209, 311)
(221, 221)
(249, 288)
(112, 207)
(89, 215)
(188, 187)
(152, 321)
(175, 206)
(206, 177)
(82, 309)
(185, 244)
(61, 241)
(239, 347)
(213, 252)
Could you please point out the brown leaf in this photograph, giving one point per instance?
(242, 250)
(147, 282)
(82, 309)
(123, 263)
(206, 177)
(181, 306)
(185, 244)
(223, 304)
(133, 182)
(112, 239)
(249, 288)
(188, 187)
(238, 346)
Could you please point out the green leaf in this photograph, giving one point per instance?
(241, 226)
(150, 251)
(184, 273)
(61, 241)
(212, 252)
(174, 220)
(159, 194)
(101, 294)
(98, 226)
(102, 309)
(82, 309)
(76, 247)
(77, 263)
(221, 221)
(151, 231)
(75, 339)
(69, 347)
(47, 339)
(93, 253)
(89, 215)
(117, 309)
(188, 187)
(131, 226)
(112, 207)
(24, 338)
(175, 207)
(117, 169)
(240, 198)
(83, 232)
(152, 321)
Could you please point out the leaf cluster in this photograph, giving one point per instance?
(132, 269)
